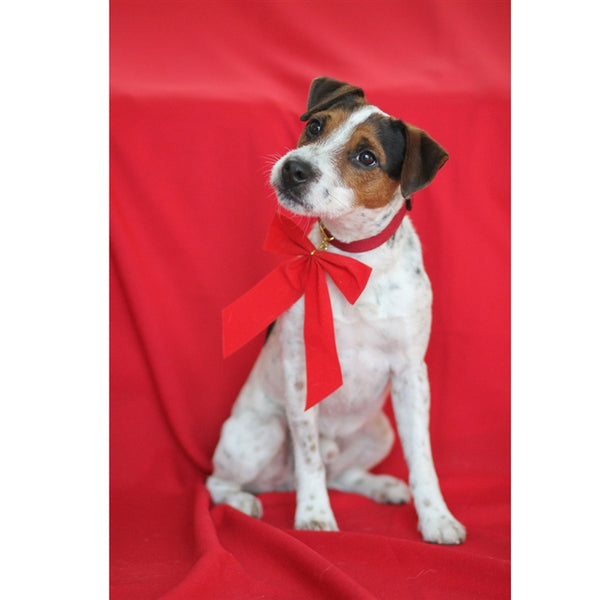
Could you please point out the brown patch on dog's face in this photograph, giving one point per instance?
(370, 162)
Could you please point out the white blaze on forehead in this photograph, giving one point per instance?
(338, 137)
(324, 149)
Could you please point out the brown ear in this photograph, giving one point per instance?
(423, 159)
(325, 92)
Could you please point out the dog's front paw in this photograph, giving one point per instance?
(317, 525)
(313, 519)
(442, 529)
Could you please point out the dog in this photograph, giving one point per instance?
(355, 168)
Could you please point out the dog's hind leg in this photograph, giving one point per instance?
(250, 457)
(367, 447)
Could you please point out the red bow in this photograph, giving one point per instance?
(279, 290)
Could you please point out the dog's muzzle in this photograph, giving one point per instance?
(295, 176)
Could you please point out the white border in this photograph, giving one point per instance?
(54, 299)
(555, 299)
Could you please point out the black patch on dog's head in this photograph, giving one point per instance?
(325, 92)
(390, 133)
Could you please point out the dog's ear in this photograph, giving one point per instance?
(325, 92)
(424, 157)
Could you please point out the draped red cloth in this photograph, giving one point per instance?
(203, 96)
(303, 275)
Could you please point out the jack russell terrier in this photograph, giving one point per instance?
(355, 169)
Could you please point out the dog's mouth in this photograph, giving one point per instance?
(294, 200)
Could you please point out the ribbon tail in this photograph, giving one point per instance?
(251, 313)
(323, 371)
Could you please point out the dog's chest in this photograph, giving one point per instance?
(397, 293)
(372, 333)
(385, 328)
(387, 325)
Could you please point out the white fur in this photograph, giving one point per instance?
(271, 443)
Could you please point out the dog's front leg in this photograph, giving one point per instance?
(313, 509)
(411, 398)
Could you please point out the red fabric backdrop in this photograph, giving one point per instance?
(204, 95)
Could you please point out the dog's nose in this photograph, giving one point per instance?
(295, 172)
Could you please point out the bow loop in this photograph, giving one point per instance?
(286, 237)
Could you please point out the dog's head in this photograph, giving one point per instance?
(352, 155)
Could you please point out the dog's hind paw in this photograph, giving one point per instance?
(442, 529)
(384, 489)
(246, 502)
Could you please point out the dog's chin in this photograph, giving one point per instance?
(295, 203)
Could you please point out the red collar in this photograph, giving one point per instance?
(368, 243)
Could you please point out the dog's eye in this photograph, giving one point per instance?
(367, 159)
(314, 128)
